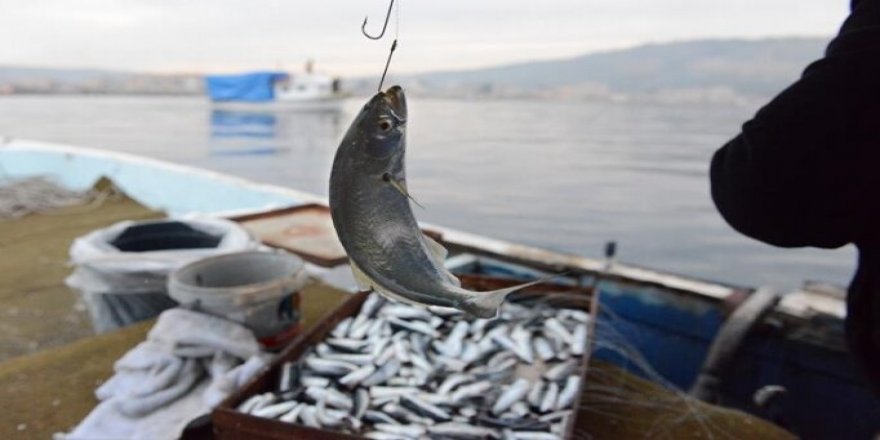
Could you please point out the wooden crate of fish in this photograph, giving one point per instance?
(386, 370)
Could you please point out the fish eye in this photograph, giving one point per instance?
(385, 125)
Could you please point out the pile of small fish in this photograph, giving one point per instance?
(396, 371)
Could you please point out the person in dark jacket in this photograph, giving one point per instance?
(805, 171)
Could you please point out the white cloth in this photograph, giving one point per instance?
(189, 363)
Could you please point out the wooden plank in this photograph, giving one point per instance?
(306, 230)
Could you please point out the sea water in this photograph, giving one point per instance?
(567, 176)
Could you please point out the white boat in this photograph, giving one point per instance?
(275, 90)
(672, 320)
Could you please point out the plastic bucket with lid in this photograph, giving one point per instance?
(260, 290)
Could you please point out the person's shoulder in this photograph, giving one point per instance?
(860, 31)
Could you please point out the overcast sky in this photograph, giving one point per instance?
(227, 35)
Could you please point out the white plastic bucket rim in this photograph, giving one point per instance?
(289, 277)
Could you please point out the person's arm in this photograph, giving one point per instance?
(805, 171)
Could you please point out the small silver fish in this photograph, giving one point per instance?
(382, 435)
(413, 379)
(329, 367)
(288, 376)
(384, 373)
(511, 395)
(452, 381)
(556, 328)
(468, 411)
(361, 403)
(413, 431)
(558, 415)
(452, 345)
(353, 358)
(315, 381)
(309, 416)
(332, 396)
(342, 328)
(253, 402)
(561, 370)
(579, 340)
(383, 391)
(272, 411)
(414, 326)
(386, 355)
(551, 394)
(293, 414)
(374, 416)
(471, 390)
(536, 393)
(324, 416)
(369, 204)
(348, 345)
(521, 409)
(569, 392)
(534, 435)
(424, 408)
(351, 380)
(462, 431)
(543, 348)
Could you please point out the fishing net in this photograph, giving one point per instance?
(619, 404)
(32, 195)
(655, 408)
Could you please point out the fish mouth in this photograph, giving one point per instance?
(396, 101)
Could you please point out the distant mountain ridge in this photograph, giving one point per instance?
(18, 73)
(690, 70)
(732, 66)
(42, 80)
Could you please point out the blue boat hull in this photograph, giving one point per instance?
(673, 331)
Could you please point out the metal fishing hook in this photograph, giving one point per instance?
(385, 26)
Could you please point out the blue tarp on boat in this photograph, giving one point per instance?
(250, 87)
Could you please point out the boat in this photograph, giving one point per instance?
(274, 91)
(722, 343)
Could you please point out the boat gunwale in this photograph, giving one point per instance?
(457, 240)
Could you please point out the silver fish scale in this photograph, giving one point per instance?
(439, 372)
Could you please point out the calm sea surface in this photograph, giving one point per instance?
(559, 175)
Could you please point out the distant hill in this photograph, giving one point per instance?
(15, 79)
(16, 73)
(698, 69)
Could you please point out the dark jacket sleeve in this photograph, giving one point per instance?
(805, 171)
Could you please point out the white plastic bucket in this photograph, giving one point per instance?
(257, 289)
(122, 270)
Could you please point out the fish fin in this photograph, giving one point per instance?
(485, 304)
(364, 282)
(439, 253)
(401, 187)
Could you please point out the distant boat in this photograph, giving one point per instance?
(275, 90)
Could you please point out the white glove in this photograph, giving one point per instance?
(187, 333)
(158, 386)
(135, 405)
(224, 383)
(142, 370)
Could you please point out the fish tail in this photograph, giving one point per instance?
(485, 304)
